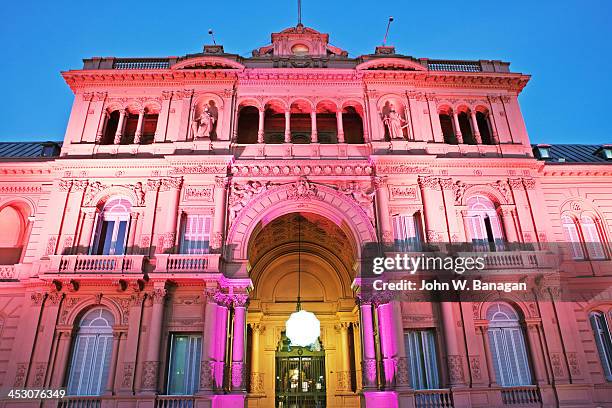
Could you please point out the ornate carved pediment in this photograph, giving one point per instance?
(208, 62)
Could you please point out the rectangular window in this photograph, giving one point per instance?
(184, 367)
(196, 234)
(421, 352)
(407, 233)
(110, 239)
(90, 364)
(603, 341)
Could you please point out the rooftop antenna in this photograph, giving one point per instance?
(212, 34)
(387, 32)
(299, 4)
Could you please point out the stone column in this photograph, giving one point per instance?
(484, 332)
(209, 343)
(120, 124)
(287, 127)
(218, 227)
(382, 210)
(150, 370)
(170, 190)
(132, 342)
(368, 363)
(536, 353)
(457, 128)
(314, 134)
(434, 119)
(112, 371)
(138, 134)
(507, 218)
(387, 342)
(454, 354)
(162, 120)
(357, 343)
(132, 232)
(221, 335)
(238, 343)
(475, 129)
(344, 376)
(257, 377)
(260, 130)
(102, 126)
(436, 229)
(64, 342)
(87, 229)
(340, 126)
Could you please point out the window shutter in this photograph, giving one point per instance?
(421, 352)
(591, 237)
(571, 235)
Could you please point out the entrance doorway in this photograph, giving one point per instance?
(300, 375)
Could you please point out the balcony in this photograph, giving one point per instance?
(92, 264)
(440, 398)
(182, 263)
(522, 396)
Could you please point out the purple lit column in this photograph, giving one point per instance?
(238, 374)
(369, 351)
(209, 343)
(387, 342)
(221, 336)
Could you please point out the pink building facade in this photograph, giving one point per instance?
(151, 259)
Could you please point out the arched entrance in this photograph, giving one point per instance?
(327, 259)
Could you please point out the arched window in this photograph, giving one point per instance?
(592, 240)
(603, 339)
(13, 227)
(248, 124)
(352, 125)
(110, 128)
(508, 350)
(91, 353)
(466, 128)
(446, 123)
(112, 229)
(484, 127)
(482, 224)
(570, 231)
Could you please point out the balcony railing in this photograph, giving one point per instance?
(97, 263)
(525, 395)
(181, 263)
(140, 63)
(80, 402)
(440, 398)
(172, 401)
(514, 259)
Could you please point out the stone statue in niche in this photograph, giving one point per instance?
(393, 121)
(203, 125)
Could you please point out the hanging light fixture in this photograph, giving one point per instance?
(302, 328)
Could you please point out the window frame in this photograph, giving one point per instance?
(89, 333)
(515, 354)
(196, 363)
(427, 357)
(117, 218)
(605, 356)
(402, 227)
(206, 223)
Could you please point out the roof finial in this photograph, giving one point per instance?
(299, 4)
(387, 32)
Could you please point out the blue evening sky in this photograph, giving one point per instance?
(564, 45)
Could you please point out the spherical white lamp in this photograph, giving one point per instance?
(303, 328)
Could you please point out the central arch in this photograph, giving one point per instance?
(324, 253)
(300, 196)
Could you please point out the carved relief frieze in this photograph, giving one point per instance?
(198, 193)
(315, 169)
(403, 192)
